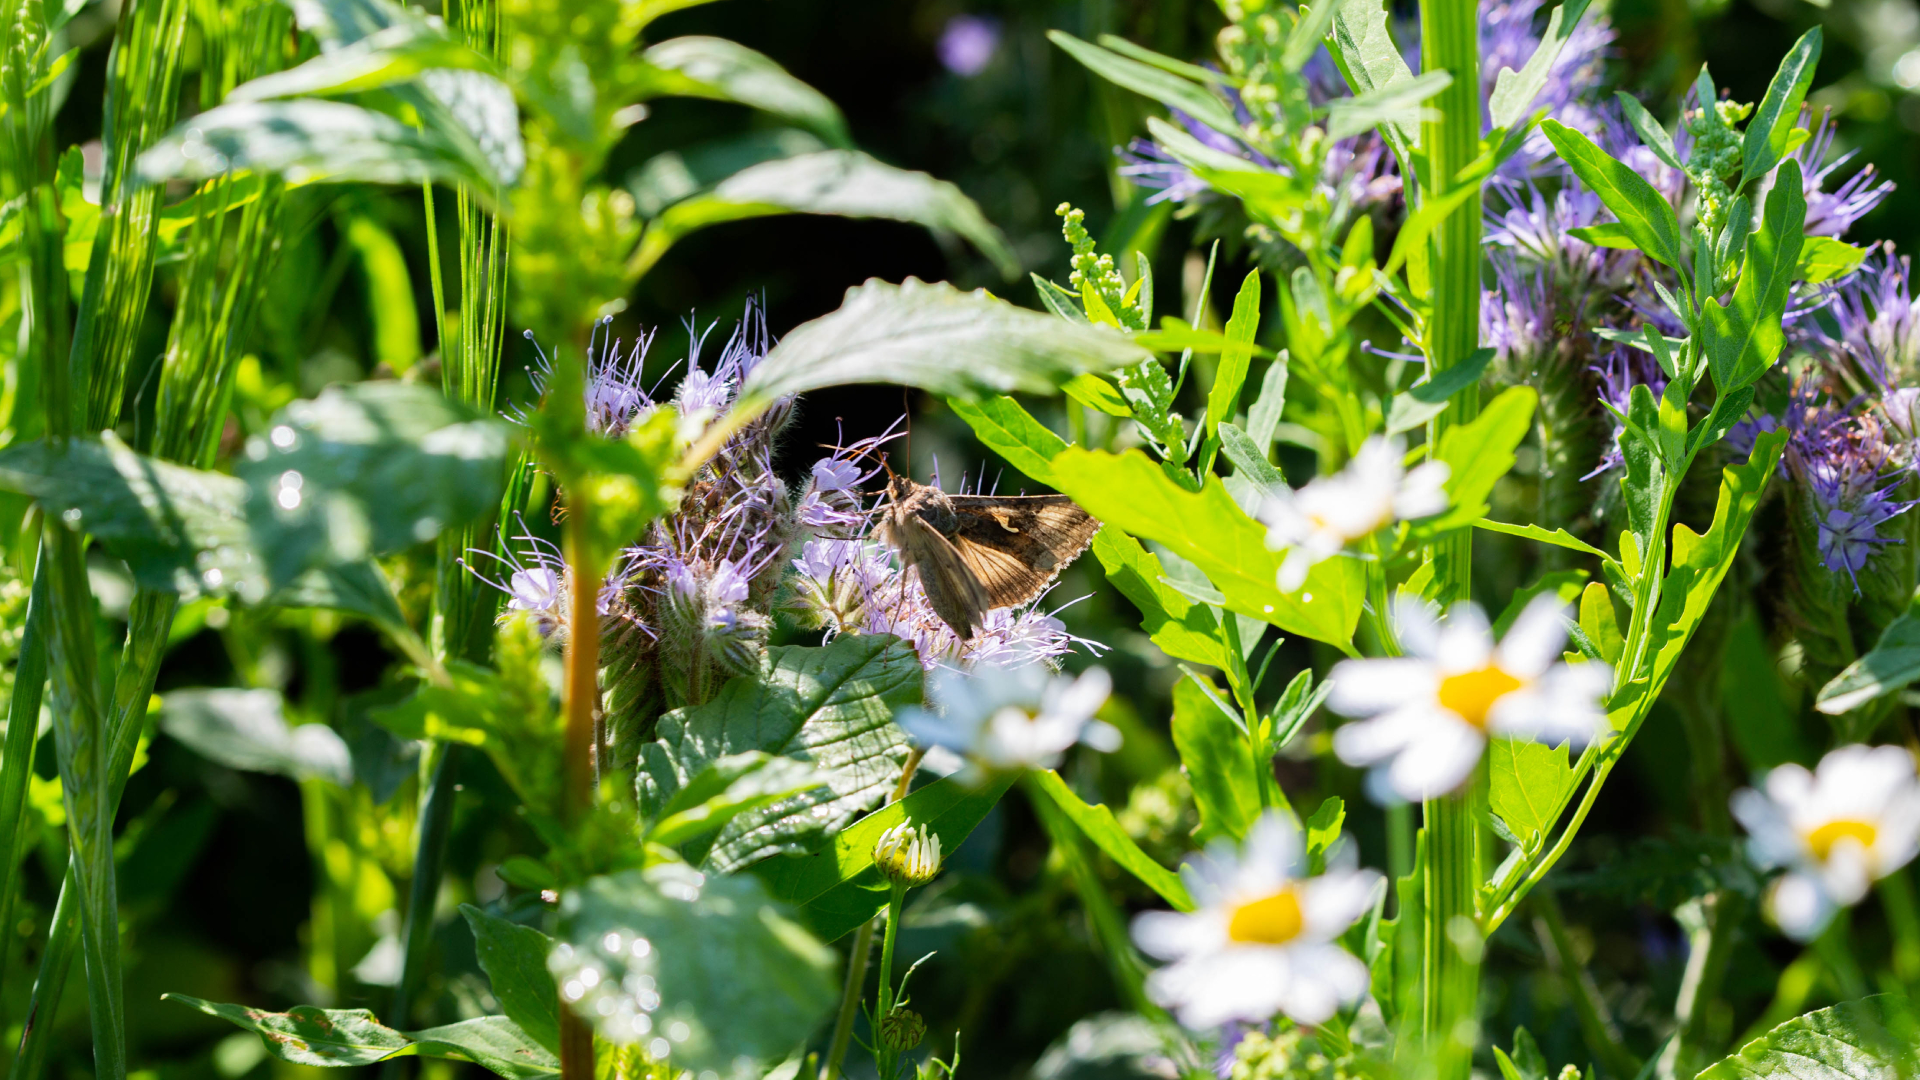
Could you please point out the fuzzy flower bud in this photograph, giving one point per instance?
(908, 855)
(902, 1029)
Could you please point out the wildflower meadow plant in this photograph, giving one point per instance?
(1470, 414)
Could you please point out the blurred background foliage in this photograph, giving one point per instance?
(243, 886)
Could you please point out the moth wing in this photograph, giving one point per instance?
(1007, 578)
(1017, 545)
(954, 591)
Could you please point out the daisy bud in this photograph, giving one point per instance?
(908, 855)
(902, 1029)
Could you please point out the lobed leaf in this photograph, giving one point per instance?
(1514, 91)
(1182, 628)
(1478, 453)
(1528, 783)
(1743, 338)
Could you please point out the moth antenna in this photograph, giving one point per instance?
(906, 412)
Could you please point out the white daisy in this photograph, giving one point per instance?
(1432, 709)
(1837, 830)
(1262, 939)
(1012, 718)
(1318, 521)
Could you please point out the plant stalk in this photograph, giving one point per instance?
(429, 865)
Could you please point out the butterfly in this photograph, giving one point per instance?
(980, 552)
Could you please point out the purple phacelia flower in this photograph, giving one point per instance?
(1872, 341)
(1623, 368)
(1849, 473)
(1832, 213)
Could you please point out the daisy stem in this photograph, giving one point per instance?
(1896, 897)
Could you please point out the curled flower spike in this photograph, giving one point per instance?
(1838, 829)
(1429, 713)
(1262, 940)
(902, 1029)
(1009, 719)
(909, 855)
(1318, 521)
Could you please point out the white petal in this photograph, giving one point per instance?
(1772, 839)
(1365, 687)
(1365, 742)
(1275, 846)
(1321, 979)
(1799, 906)
(1466, 641)
(1170, 935)
(1234, 984)
(1414, 624)
(1536, 638)
(1101, 736)
(1439, 762)
(1334, 901)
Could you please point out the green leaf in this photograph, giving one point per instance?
(725, 789)
(1744, 338)
(1208, 529)
(313, 141)
(1099, 826)
(1058, 300)
(723, 958)
(1600, 624)
(399, 53)
(1608, 234)
(1396, 105)
(1480, 452)
(515, 960)
(726, 71)
(1514, 91)
(1868, 1039)
(1149, 393)
(1822, 258)
(1893, 662)
(673, 175)
(935, 337)
(1563, 585)
(1528, 782)
(1249, 460)
(1183, 629)
(1364, 47)
(1653, 136)
(1145, 55)
(1428, 398)
(1231, 373)
(1769, 732)
(1779, 111)
(1263, 420)
(1644, 213)
(1005, 427)
(1558, 537)
(839, 183)
(1147, 80)
(1097, 394)
(838, 888)
(343, 1038)
(248, 730)
(1217, 757)
(1323, 831)
(830, 705)
(1177, 335)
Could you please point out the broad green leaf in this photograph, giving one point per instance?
(727, 71)
(248, 730)
(673, 175)
(1558, 537)
(515, 960)
(1480, 452)
(1248, 458)
(935, 337)
(344, 1038)
(1147, 80)
(1263, 420)
(1367, 55)
(1514, 91)
(1183, 629)
(1223, 400)
(1744, 338)
(840, 183)
(1652, 135)
(720, 957)
(1396, 105)
(1207, 528)
(1097, 394)
(838, 888)
(1428, 398)
(1218, 759)
(1869, 1039)
(728, 787)
(1099, 826)
(390, 304)
(830, 705)
(1528, 782)
(396, 54)
(1779, 111)
(1822, 258)
(313, 141)
(1608, 234)
(1644, 213)
(1600, 624)
(1893, 662)
(1323, 831)
(1005, 427)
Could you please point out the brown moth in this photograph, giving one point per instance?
(981, 552)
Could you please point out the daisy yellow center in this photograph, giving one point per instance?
(1823, 839)
(1473, 693)
(1270, 920)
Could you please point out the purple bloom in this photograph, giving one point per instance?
(1850, 474)
(1624, 368)
(1874, 335)
(1536, 227)
(614, 396)
(1832, 213)
(968, 43)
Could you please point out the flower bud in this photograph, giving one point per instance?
(908, 855)
(902, 1029)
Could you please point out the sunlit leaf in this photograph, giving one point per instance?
(1098, 825)
(1869, 1039)
(344, 1038)
(248, 729)
(1218, 759)
(727, 71)
(514, 958)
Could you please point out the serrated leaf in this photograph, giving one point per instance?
(1183, 629)
(514, 958)
(1097, 393)
(343, 1038)
(1098, 825)
(1869, 1039)
(830, 705)
(1478, 453)
(935, 337)
(248, 730)
(721, 957)
(727, 71)
(1558, 537)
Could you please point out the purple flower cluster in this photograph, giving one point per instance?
(1832, 213)
(1850, 473)
(1508, 40)
(1865, 334)
(1624, 368)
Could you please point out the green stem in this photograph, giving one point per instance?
(429, 866)
(16, 760)
(1711, 926)
(1837, 955)
(850, 997)
(56, 962)
(884, 1055)
(1452, 943)
(1903, 915)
